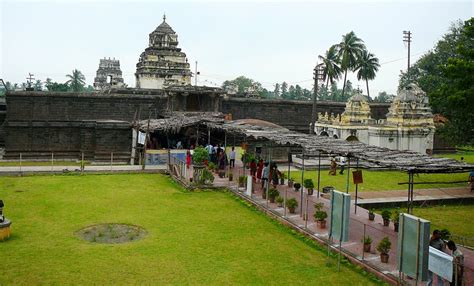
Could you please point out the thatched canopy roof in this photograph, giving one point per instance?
(374, 156)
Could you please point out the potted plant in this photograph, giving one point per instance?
(384, 248)
(297, 187)
(231, 176)
(290, 182)
(211, 166)
(242, 181)
(309, 185)
(273, 193)
(280, 201)
(395, 219)
(367, 241)
(200, 156)
(282, 178)
(320, 215)
(386, 217)
(371, 214)
(207, 177)
(291, 204)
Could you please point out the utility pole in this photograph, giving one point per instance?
(196, 74)
(317, 75)
(407, 39)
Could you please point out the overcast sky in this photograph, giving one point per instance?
(267, 41)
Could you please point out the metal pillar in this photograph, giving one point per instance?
(319, 172)
(302, 186)
(357, 189)
(348, 173)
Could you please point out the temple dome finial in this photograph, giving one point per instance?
(164, 17)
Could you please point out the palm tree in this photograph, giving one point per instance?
(366, 68)
(348, 51)
(76, 80)
(331, 71)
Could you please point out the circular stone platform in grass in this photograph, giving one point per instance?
(112, 233)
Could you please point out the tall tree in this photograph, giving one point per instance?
(38, 85)
(366, 67)
(348, 52)
(332, 71)
(284, 90)
(76, 80)
(277, 90)
(244, 85)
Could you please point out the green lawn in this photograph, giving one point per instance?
(40, 163)
(381, 180)
(456, 218)
(193, 238)
(468, 156)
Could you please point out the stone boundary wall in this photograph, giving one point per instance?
(292, 114)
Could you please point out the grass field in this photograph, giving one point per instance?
(193, 238)
(375, 181)
(456, 218)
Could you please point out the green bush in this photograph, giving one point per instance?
(211, 166)
(200, 155)
(280, 200)
(273, 193)
(384, 245)
(396, 216)
(308, 183)
(386, 214)
(320, 214)
(207, 177)
(291, 203)
(366, 240)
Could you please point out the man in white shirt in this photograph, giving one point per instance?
(342, 163)
(232, 157)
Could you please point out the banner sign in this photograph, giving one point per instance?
(340, 212)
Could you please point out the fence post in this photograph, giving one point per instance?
(111, 160)
(20, 162)
(52, 161)
(82, 163)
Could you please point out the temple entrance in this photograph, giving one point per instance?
(352, 138)
(193, 103)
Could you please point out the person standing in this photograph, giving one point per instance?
(332, 170)
(458, 260)
(265, 174)
(188, 159)
(471, 180)
(253, 169)
(232, 157)
(259, 169)
(342, 163)
(438, 243)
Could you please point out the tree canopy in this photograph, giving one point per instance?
(446, 74)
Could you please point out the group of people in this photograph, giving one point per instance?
(438, 243)
(264, 173)
(341, 161)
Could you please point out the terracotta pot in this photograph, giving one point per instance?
(290, 184)
(321, 223)
(272, 200)
(384, 257)
(386, 222)
(367, 247)
(395, 226)
(292, 210)
(231, 177)
(310, 192)
(264, 195)
(371, 216)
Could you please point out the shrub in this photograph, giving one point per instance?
(386, 214)
(291, 203)
(200, 155)
(297, 186)
(396, 216)
(242, 180)
(445, 234)
(320, 214)
(384, 245)
(273, 193)
(280, 200)
(207, 177)
(371, 211)
(211, 166)
(308, 183)
(366, 240)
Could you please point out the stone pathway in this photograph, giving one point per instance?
(359, 222)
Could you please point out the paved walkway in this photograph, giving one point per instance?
(359, 223)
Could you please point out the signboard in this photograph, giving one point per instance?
(440, 263)
(141, 138)
(357, 177)
(413, 243)
(249, 185)
(340, 208)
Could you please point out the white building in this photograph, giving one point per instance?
(409, 124)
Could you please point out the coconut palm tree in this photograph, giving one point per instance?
(76, 80)
(348, 51)
(366, 68)
(331, 71)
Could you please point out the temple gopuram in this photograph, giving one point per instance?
(162, 64)
(108, 75)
